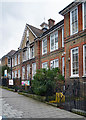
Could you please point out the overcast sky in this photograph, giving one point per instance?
(15, 14)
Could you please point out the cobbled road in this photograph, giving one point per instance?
(13, 105)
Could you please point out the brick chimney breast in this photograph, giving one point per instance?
(51, 22)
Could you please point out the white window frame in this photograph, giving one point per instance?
(15, 60)
(71, 21)
(19, 73)
(23, 72)
(74, 75)
(83, 15)
(8, 61)
(32, 51)
(63, 66)
(24, 56)
(43, 64)
(28, 71)
(53, 61)
(33, 69)
(63, 37)
(53, 34)
(18, 58)
(44, 46)
(27, 35)
(16, 74)
(84, 72)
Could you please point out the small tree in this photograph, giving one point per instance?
(46, 81)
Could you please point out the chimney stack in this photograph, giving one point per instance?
(51, 22)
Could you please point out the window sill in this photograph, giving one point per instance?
(53, 50)
(84, 76)
(74, 76)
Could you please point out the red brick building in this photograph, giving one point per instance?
(60, 45)
(75, 41)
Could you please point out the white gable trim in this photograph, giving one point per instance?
(24, 34)
(31, 31)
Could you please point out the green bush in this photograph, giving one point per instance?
(46, 81)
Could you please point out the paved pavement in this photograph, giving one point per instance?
(13, 105)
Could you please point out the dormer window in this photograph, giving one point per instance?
(74, 21)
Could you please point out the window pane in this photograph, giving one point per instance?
(32, 52)
(75, 64)
(23, 72)
(62, 37)
(44, 65)
(28, 71)
(52, 43)
(56, 41)
(56, 63)
(33, 69)
(63, 67)
(52, 64)
(74, 21)
(44, 46)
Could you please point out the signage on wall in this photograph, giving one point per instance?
(23, 83)
(10, 82)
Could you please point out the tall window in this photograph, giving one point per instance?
(44, 46)
(18, 73)
(54, 41)
(74, 21)
(33, 69)
(44, 65)
(63, 66)
(28, 53)
(23, 72)
(15, 74)
(24, 56)
(32, 52)
(62, 37)
(74, 62)
(15, 59)
(84, 59)
(84, 15)
(18, 58)
(54, 63)
(28, 71)
(8, 61)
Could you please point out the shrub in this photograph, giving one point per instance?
(46, 81)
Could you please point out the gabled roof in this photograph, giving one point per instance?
(9, 54)
(35, 30)
(53, 28)
(70, 6)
